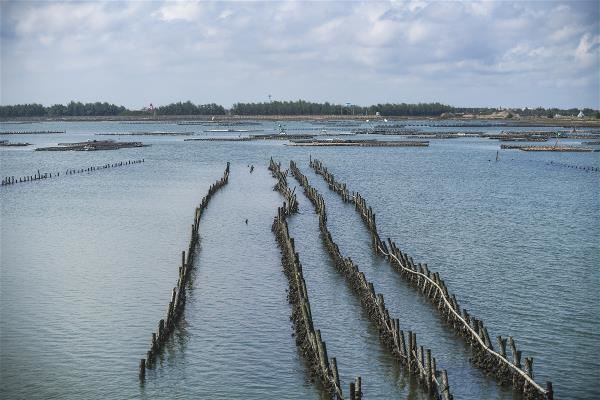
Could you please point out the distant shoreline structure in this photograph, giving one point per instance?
(568, 122)
(285, 109)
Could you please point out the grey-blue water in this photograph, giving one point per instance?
(88, 262)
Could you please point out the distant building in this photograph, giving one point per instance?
(580, 115)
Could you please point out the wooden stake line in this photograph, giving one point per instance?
(307, 338)
(177, 303)
(477, 332)
(282, 186)
(11, 180)
(373, 302)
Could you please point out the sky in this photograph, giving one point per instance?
(496, 54)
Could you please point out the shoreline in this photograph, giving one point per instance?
(460, 122)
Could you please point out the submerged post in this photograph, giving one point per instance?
(142, 369)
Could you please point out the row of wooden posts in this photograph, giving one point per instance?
(418, 360)
(308, 338)
(29, 132)
(178, 296)
(282, 187)
(11, 180)
(429, 283)
(582, 167)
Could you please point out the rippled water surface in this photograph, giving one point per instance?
(88, 262)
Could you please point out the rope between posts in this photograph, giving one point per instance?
(356, 199)
(451, 308)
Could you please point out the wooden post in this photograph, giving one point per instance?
(397, 334)
(321, 351)
(487, 340)
(445, 386)
(502, 346)
(142, 369)
(403, 345)
(428, 368)
(516, 355)
(334, 369)
(410, 347)
(529, 366)
(413, 350)
(422, 370)
(516, 360)
(549, 391)
(161, 330)
(358, 394)
(352, 391)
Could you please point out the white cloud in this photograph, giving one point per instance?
(588, 50)
(225, 14)
(402, 46)
(183, 10)
(417, 32)
(481, 8)
(565, 33)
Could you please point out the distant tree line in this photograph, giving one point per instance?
(299, 107)
(188, 108)
(78, 109)
(58, 110)
(551, 112)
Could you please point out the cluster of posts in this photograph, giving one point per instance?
(282, 186)
(430, 284)
(177, 303)
(415, 358)
(308, 339)
(11, 180)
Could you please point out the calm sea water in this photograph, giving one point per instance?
(88, 263)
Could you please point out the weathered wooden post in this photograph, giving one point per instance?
(358, 393)
(142, 369)
(516, 359)
(529, 366)
(421, 359)
(334, 369)
(430, 372)
(502, 346)
(445, 386)
(549, 391)
(161, 331)
(403, 346)
(410, 348)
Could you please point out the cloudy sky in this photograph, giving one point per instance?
(540, 53)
